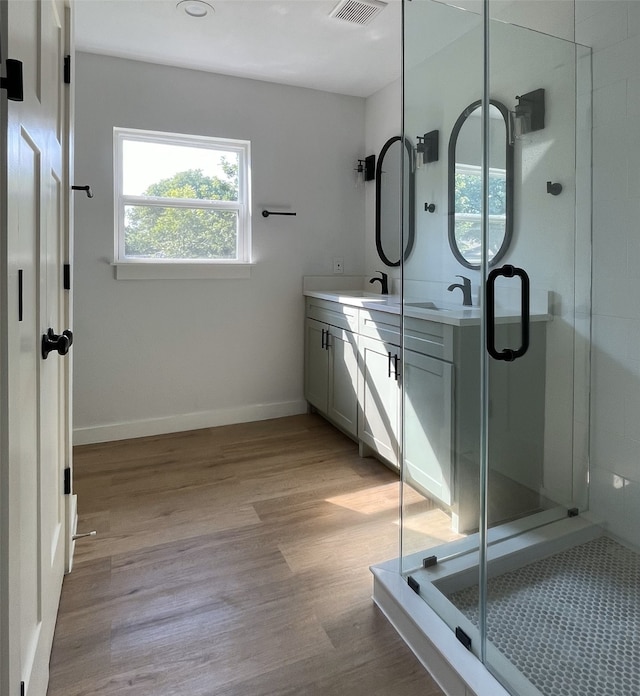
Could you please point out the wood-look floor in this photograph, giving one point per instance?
(232, 561)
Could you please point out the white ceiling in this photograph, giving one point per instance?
(293, 42)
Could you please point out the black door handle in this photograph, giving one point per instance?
(392, 363)
(507, 354)
(52, 341)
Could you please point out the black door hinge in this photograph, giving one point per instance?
(67, 481)
(67, 70)
(20, 304)
(66, 276)
(463, 638)
(13, 81)
(21, 688)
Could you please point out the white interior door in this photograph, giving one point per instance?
(35, 394)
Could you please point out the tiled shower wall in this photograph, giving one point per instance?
(612, 29)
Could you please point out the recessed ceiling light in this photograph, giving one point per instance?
(195, 8)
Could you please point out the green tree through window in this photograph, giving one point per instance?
(185, 232)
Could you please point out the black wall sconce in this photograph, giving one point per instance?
(370, 168)
(427, 149)
(366, 168)
(529, 112)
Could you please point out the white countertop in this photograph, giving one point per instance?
(455, 315)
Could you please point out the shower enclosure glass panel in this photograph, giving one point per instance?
(495, 350)
(538, 403)
(441, 336)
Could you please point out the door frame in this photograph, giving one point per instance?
(8, 522)
(71, 506)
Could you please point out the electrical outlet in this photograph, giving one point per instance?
(338, 264)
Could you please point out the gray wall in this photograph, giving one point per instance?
(384, 121)
(164, 355)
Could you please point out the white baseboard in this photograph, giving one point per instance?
(186, 421)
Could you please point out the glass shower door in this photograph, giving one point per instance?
(442, 344)
(496, 322)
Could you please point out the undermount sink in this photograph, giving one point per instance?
(367, 297)
(364, 297)
(427, 305)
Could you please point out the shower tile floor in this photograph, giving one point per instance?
(570, 622)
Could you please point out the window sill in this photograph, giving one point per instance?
(130, 270)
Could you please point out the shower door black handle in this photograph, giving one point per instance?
(507, 354)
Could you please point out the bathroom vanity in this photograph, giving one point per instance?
(355, 365)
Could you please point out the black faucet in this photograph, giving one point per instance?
(384, 282)
(465, 286)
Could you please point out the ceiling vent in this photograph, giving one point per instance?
(358, 11)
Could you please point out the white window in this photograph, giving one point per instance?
(182, 205)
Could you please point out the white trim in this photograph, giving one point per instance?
(192, 203)
(71, 530)
(187, 421)
(174, 270)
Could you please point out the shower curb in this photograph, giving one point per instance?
(457, 671)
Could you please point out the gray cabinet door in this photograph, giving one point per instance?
(316, 365)
(379, 393)
(342, 407)
(428, 425)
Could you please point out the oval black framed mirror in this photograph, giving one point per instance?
(391, 169)
(465, 185)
